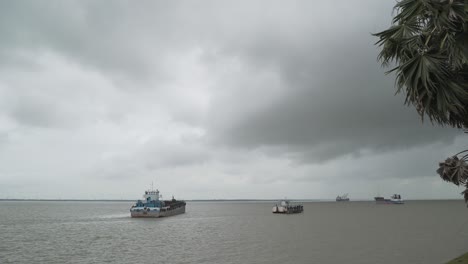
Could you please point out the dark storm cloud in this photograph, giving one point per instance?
(336, 98)
(223, 95)
(95, 34)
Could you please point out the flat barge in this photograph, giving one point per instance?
(152, 207)
(394, 199)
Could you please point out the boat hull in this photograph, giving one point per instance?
(137, 213)
(387, 201)
(287, 210)
(343, 200)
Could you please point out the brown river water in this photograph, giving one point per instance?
(233, 232)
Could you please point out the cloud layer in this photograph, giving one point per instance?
(218, 99)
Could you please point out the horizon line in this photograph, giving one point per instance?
(215, 200)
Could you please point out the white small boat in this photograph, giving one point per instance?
(396, 199)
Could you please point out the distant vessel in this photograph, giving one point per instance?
(342, 198)
(285, 207)
(153, 207)
(394, 199)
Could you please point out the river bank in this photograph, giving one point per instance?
(463, 259)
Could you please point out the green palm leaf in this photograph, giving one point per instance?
(428, 44)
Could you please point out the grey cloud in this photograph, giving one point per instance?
(151, 157)
(275, 94)
(174, 156)
(35, 113)
(338, 100)
(91, 33)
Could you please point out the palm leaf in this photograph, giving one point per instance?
(428, 42)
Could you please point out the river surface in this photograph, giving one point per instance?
(233, 232)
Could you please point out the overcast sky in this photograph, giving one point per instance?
(208, 100)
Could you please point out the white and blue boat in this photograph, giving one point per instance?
(152, 206)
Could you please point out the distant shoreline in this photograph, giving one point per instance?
(208, 200)
(194, 200)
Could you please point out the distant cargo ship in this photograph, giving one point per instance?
(153, 207)
(394, 199)
(342, 198)
(285, 207)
